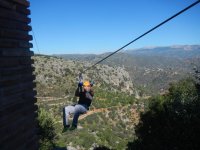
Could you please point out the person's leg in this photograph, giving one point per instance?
(79, 109)
(66, 113)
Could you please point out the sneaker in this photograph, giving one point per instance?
(66, 128)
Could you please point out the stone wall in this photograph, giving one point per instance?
(18, 130)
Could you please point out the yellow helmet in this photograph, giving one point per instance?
(86, 83)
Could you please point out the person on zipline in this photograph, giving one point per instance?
(85, 95)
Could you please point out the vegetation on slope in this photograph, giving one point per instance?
(118, 115)
(170, 121)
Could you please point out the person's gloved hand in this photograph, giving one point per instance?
(80, 84)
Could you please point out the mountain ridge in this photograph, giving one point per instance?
(175, 47)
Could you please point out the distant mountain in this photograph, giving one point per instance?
(151, 69)
(178, 51)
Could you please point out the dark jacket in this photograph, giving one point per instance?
(85, 98)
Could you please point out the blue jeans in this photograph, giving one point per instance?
(77, 110)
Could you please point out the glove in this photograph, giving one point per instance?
(80, 84)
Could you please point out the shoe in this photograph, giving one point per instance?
(66, 128)
(73, 127)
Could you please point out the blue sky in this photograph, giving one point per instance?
(97, 26)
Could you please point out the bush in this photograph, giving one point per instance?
(46, 130)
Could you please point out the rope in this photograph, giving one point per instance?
(165, 21)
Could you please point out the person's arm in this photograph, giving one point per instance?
(78, 91)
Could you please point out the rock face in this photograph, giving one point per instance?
(117, 77)
(17, 97)
(52, 70)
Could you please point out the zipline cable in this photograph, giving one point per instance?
(35, 40)
(180, 12)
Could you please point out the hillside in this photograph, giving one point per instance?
(114, 114)
(60, 76)
(114, 111)
(151, 69)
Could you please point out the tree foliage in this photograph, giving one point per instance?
(46, 129)
(172, 121)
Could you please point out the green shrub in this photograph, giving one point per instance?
(46, 130)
